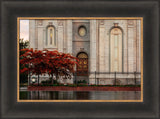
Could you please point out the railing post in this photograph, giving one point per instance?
(88, 78)
(98, 81)
(76, 77)
(29, 78)
(135, 78)
(73, 77)
(115, 78)
(95, 77)
(38, 79)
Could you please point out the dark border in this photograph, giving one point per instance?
(11, 9)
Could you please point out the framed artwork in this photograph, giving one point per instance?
(80, 59)
(103, 55)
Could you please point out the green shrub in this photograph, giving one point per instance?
(82, 81)
(46, 82)
(49, 83)
(71, 85)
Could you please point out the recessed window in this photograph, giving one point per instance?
(116, 50)
(51, 40)
(82, 31)
(51, 34)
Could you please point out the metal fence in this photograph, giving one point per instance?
(111, 75)
(97, 77)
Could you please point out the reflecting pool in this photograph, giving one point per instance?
(80, 95)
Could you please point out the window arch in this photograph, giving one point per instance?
(51, 38)
(116, 54)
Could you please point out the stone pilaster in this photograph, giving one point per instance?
(135, 47)
(60, 36)
(125, 47)
(32, 38)
(93, 45)
(106, 50)
(131, 46)
(44, 37)
(40, 38)
(138, 46)
(69, 36)
(101, 46)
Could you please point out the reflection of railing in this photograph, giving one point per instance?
(109, 75)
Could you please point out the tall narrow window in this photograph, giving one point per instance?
(116, 53)
(116, 50)
(51, 39)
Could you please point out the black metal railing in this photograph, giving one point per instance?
(98, 74)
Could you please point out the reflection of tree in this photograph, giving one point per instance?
(54, 95)
(82, 95)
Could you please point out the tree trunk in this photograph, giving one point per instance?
(29, 78)
(56, 76)
(52, 78)
(38, 79)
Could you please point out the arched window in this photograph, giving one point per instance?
(82, 67)
(51, 39)
(116, 50)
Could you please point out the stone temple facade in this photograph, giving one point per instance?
(109, 50)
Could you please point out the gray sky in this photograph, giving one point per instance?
(24, 29)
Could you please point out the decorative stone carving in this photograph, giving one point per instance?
(50, 23)
(40, 22)
(81, 49)
(60, 23)
(101, 22)
(115, 24)
(130, 22)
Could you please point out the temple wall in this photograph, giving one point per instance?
(96, 43)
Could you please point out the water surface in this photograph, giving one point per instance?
(80, 95)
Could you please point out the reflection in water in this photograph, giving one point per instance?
(80, 95)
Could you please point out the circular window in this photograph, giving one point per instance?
(82, 31)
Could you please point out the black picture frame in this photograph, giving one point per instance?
(11, 9)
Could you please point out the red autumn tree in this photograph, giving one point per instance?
(25, 59)
(38, 62)
(60, 64)
(51, 62)
(34, 60)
